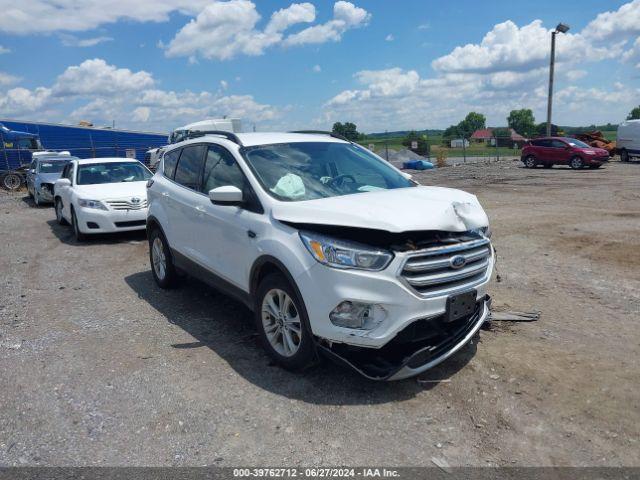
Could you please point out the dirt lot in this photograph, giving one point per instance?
(100, 367)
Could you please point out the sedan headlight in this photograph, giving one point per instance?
(345, 254)
(97, 204)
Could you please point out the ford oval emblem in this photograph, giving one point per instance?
(458, 261)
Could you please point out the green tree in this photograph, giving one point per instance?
(634, 114)
(348, 130)
(522, 121)
(423, 145)
(472, 122)
(541, 129)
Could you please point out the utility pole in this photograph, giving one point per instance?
(561, 28)
(386, 145)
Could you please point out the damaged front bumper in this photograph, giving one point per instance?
(419, 347)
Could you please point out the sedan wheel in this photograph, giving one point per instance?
(576, 163)
(76, 228)
(281, 322)
(58, 208)
(36, 198)
(530, 161)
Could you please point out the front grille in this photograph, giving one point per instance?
(127, 204)
(446, 268)
(132, 223)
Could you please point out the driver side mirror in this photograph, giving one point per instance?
(226, 195)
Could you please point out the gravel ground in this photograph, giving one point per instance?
(100, 367)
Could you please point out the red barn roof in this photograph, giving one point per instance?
(482, 134)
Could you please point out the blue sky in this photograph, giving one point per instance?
(155, 65)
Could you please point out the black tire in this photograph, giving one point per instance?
(530, 162)
(36, 199)
(576, 163)
(80, 237)
(166, 277)
(624, 156)
(305, 356)
(58, 207)
(548, 165)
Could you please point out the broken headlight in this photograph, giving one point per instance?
(345, 254)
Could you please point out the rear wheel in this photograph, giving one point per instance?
(530, 161)
(576, 163)
(80, 237)
(11, 181)
(283, 324)
(58, 207)
(624, 156)
(162, 267)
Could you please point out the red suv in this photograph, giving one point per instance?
(550, 151)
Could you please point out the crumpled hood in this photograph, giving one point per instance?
(105, 191)
(48, 177)
(398, 210)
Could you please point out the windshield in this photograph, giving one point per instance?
(310, 170)
(576, 143)
(112, 172)
(52, 166)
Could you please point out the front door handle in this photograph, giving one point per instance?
(200, 209)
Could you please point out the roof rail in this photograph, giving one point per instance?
(323, 132)
(201, 133)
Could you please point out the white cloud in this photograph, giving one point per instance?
(576, 74)
(317, 68)
(224, 30)
(73, 41)
(424, 26)
(389, 38)
(4, 50)
(345, 17)
(224, 84)
(633, 54)
(97, 91)
(44, 16)
(617, 24)
(508, 47)
(6, 79)
(18, 101)
(96, 78)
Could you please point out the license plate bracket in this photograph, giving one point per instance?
(460, 305)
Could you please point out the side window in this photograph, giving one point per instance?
(557, 144)
(190, 166)
(221, 169)
(170, 161)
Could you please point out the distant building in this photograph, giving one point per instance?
(486, 136)
(459, 143)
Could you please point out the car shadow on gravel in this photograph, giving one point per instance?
(225, 326)
(64, 233)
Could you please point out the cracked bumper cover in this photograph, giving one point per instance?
(412, 359)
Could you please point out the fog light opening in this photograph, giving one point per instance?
(363, 316)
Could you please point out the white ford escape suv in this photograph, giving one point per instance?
(333, 249)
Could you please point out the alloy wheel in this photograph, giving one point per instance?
(159, 259)
(281, 322)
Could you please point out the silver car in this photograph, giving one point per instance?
(42, 174)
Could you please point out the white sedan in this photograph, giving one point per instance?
(102, 195)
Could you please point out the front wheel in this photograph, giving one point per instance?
(283, 324)
(58, 207)
(36, 198)
(530, 161)
(576, 163)
(162, 267)
(80, 237)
